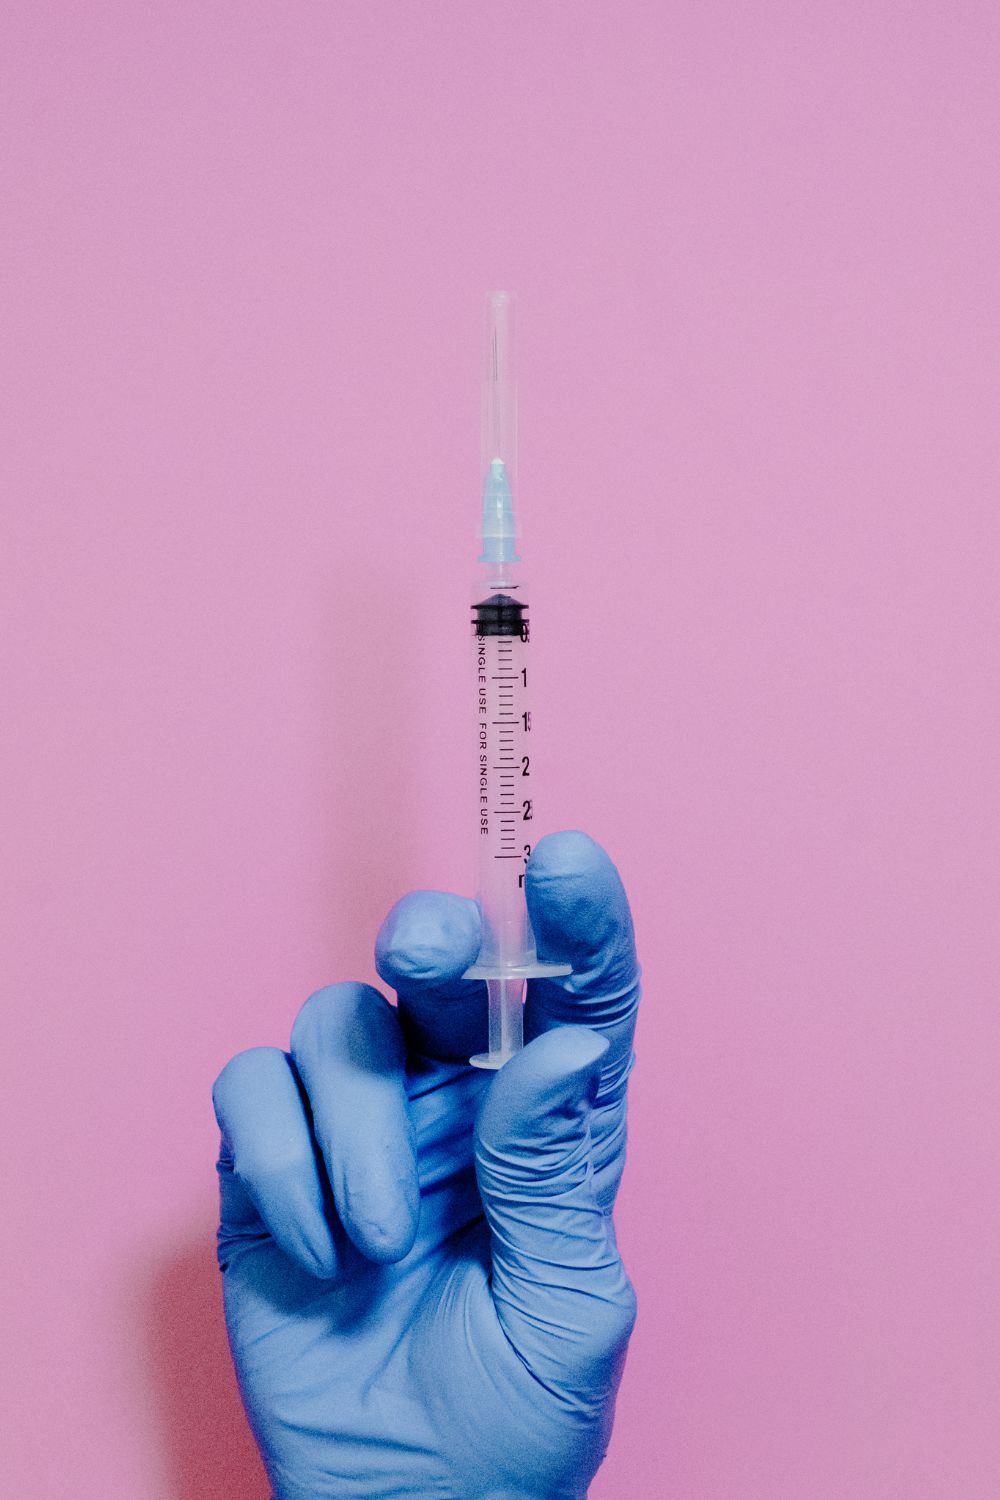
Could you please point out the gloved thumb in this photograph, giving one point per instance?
(559, 1286)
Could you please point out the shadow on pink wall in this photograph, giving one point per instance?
(210, 1453)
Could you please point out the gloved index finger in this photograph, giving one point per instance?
(580, 915)
(423, 949)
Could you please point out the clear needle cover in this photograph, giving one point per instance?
(499, 433)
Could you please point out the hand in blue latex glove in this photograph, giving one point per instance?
(422, 1288)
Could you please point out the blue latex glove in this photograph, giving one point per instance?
(422, 1288)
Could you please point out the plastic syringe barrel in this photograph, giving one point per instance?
(505, 796)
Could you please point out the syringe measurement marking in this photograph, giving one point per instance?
(506, 813)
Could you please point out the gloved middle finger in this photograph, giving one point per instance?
(349, 1053)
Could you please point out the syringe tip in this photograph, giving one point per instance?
(499, 529)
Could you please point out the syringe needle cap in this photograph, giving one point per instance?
(499, 434)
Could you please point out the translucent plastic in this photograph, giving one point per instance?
(506, 808)
(507, 815)
(499, 432)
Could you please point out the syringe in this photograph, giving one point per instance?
(507, 815)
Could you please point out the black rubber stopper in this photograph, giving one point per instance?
(500, 614)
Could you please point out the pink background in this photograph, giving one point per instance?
(757, 250)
